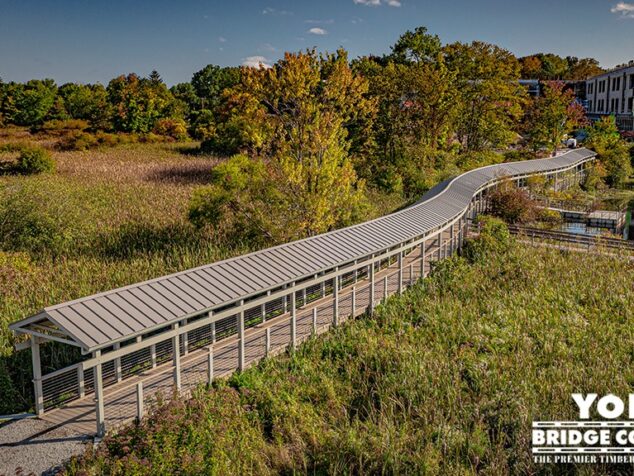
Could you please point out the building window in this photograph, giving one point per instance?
(614, 106)
(616, 84)
(631, 81)
(590, 106)
(590, 88)
(630, 104)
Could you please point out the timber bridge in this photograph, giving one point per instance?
(181, 330)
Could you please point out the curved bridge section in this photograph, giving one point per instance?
(189, 327)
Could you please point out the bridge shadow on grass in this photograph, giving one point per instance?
(192, 173)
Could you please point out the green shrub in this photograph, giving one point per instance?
(108, 140)
(58, 126)
(512, 204)
(35, 160)
(494, 238)
(77, 140)
(37, 219)
(551, 217)
(173, 128)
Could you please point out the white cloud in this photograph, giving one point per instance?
(222, 39)
(625, 10)
(267, 47)
(256, 62)
(318, 31)
(329, 21)
(376, 3)
(273, 11)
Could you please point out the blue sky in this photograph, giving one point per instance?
(95, 40)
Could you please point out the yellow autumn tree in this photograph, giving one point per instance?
(310, 111)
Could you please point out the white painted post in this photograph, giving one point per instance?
(139, 401)
(185, 339)
(411, 274)
(210, 365)
(354, 300)
(461, 232)
(323, 289)
(400, 272)
(422, 259)
(212, 330)
(293, 320)
(176, 355)
(81, 381)
(99, 406)
(241, 339)
(371, 304)
(385, 287)
(451, 232)
(153, 355)
(267, 342)
(284, 302)
(314, 321)
(303, 297)
(117, 364)
(37, 375)
(335, 302)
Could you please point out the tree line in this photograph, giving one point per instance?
(307, 136)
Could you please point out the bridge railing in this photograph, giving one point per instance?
(242, 332)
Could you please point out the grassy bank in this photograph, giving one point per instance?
(445, 379)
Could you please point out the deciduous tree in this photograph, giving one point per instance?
(552, 116)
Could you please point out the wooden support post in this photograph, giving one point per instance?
(153, 355)
(267, 341)
(372, 285)
(139, 401)
(117, 364)
(99, 406)
(303, 297)
(400, 272)
(314, 321)
(81, 381)
(293, 320)
(176, 354)
(241, 339)
(335, 302)
(37, 375)
(210, 366)
(323, 289)
(385, 287)
(411, 274)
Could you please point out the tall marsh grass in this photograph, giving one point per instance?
(445, 379)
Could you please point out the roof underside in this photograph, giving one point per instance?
(97, 321)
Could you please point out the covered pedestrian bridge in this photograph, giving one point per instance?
(181, 330)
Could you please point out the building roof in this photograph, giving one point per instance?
(97, 321)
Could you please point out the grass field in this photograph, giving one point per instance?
(107, 218)
(445, 379)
